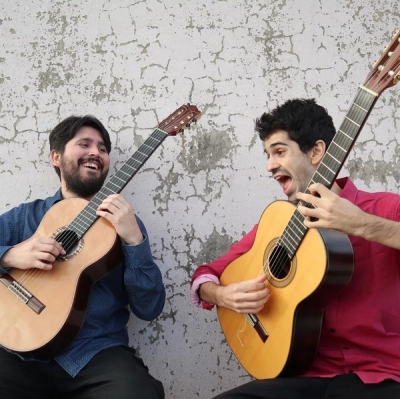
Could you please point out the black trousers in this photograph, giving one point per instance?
(114, 373)
(347, 386)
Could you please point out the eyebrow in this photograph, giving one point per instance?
(276, 144)
(88, 139)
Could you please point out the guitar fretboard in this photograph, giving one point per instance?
(117, 182)
(331, 162)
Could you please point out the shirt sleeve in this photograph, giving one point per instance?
(10, 231)
(143, 279)
(212, 271)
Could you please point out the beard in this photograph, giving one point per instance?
(75, 183)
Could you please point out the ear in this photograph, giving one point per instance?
(55, 157)
(317, 152)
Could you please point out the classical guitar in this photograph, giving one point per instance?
(304, 269)
(41, 312)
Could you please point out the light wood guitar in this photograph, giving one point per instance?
(304, 268)
(41, 312)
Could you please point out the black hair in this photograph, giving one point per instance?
(303, 119)
(67, 129)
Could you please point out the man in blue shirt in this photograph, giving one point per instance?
(98, 363)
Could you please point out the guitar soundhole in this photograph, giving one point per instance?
(69, 241)
(279, 263)
(279, 268)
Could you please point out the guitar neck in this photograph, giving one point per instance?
(117, 182)
(331, 162)
(345, 138)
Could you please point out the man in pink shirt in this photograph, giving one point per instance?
(359, 350)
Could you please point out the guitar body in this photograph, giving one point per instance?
(45, 330)
(285, 340)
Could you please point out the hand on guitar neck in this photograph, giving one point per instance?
(247, 296)
(120, 214)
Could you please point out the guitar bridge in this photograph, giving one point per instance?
(254, 321)
(22, 293)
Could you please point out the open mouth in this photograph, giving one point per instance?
(90, 165)
(285, 182)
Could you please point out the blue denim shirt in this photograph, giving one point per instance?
(136, 282)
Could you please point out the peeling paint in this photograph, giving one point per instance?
(133, 62)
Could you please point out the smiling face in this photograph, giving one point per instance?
(289, 166)
(84, 164)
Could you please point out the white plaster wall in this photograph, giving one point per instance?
(131, 63)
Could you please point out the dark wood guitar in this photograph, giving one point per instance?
(304, 268)
(41, 312)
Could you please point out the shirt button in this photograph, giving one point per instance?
(332, 330)
(346, 348)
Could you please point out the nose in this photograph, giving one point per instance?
(272, 164)
(94, 151)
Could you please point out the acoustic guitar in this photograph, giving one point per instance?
(304, 268)
(41, 312)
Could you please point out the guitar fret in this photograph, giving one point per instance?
(352, 121)
(295, 228)
(341, 131)
(290, 238)
(360, 107)
(297, 214)
(319, 174)
(289, 247)
(121, 171)
(330, 155)
(116, 177)
(324, 165)
(341, 148)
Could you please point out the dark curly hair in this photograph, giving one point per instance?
(303, 119)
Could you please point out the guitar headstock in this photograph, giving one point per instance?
(386, 70)
(179, 119)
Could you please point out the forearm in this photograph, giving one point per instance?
(209, 292)
(377, 229)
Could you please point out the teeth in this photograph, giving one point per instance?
(90, 165)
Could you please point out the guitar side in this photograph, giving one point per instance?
(285, 340)
(63, 292)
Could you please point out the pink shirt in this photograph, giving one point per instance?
(361, 328)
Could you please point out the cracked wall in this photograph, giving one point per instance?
(132, 63)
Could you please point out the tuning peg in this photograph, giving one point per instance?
(188, 125)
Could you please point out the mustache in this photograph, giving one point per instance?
(281, 171)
